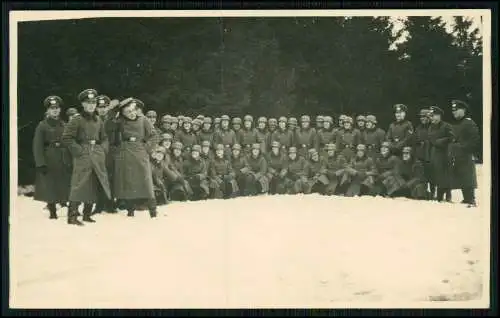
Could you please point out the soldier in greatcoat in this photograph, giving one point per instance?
(196, 173)
(348, 139)
(326, 135)
(412, 171)
(421, 147)
(388, 166)
(276, 168)
(440, 136)
(197, 124)
(206, 152)
(295, 178)
(152, 116)
(256, 181)
(362, 172)
(162, 175)
(217, 122)
(292, 126)
(186, 136)
(305, 137)
(282, 135)
(225, 135)
(335, 167)
(52, 160)
(462, 148)
(372, 137)
(316, 173)
(247, 136)
(133, 181)
(400, 131)
(272, 128)
(237, 125)
(179, 188)
(262, 133)
(223, 182)
(361, 125)
(319, 122)
(206, 133)
(240, 167)
(87, 141)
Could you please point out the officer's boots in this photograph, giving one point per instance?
(152, 212)
(87, 211)
(52, 210)
(73, 214)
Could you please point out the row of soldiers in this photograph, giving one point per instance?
(116, 155)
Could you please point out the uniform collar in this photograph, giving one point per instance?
(87, 115)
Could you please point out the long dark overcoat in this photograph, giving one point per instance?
(467, 141)
(440, 136)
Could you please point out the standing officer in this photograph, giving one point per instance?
(400, 132)
(87, 141)
(465, 142)
(305, 137)
(421, 147)
(247, 136)
(53, 176)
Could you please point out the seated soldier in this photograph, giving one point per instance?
(413, 172)
(388, 166)
(195, 172)
(363, 172)
(316, 173)
(206, 152)
(276, 169)
(335, 165)
(179, 189)
(348, 138)
(240, 166)
(295, 178)
(166, 142)
(256, 181)
(161, 173)
(222, 177)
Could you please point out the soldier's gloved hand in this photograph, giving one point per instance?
(43, 169)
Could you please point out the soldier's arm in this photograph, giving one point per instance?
(472, 132)
(446, 139)
(263, 166)
(408, 134)
(38, 145)
(69, 136)
(323, 169)
(388, 135)
(103, 137)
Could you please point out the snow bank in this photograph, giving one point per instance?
(269, 251)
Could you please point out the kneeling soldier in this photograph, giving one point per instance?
(316, 173)
(206, 152)
(161, 174)
(240, 166)
(222, 178)
(296, 180)
(195, 171)
(256, 179)
(413, 172)
(389, 168)
(276, 169)
(363, 172)
(179, 188)
(335, 165)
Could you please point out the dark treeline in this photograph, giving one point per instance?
(260, 66)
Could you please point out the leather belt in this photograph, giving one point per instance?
(90, 142)
(55, 144)
(304, 146)
(132, 139)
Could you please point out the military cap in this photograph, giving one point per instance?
(436, 110)
(320, 118)
(458, 104)
(292, 120)
(406, 149)
(348, 119)
(196, 148)
(224, 117)
(151, 113)
(386, 144)
(256, 146)
(262, 120)
(328, 119)
(205, 143)
(275, 144)
(161, 149)
(361, 118)
(133, 102)
(248, 118)
(217, 120)
(53, 101)
(305, 118)
(361, 147)
(371, 119)
(188, 120)
(424, 112)
(236, 120)
(103, 101)
(174, 120)
(87, 94)
(282, 119)
(400, 108)
(177, 145)
(207, 120)
(197, 121)
(166, 136)
(236, 147)
(273, 121)
(331, 146)
(292, 149)
(71, 111)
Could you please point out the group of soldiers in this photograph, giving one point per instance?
(115, 155)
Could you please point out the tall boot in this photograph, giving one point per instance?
(73, 214)
(52, 209)
(99, 207)
(440, 194)
(130, 212)
(152, 208)
(87, 211)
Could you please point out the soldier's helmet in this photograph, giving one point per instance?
(248, 118)
(406, 149)
(371, 119)
(53, 101)
(282, 119)
(275, 144)
(217, 120)
(220, 147)
(174, 120)
(71, 112)
(207, 120)
(224, 117)
(205, 143)
(305, 119)
(188, 120)
(458, 104)
(292, 150)
(342, 117)
(103, 101)
(200, 117)
(347, 119)
(320, 119)
(361, 147)
(236, 121)
(161, 149)
(166, 119)
(262, 120)
(328, 119)
(400, 108)
(236, 147)
(197, 122)
(177, 145)
(330, 147)
(166, 136)
(385, 144)
(273, 121)
(361, 118)
(292, 120)
(180, 118)
(196, 148)
(151, 113)
(89, 94)
(312, 152)
(256, 146)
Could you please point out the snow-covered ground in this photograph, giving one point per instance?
(270, 251)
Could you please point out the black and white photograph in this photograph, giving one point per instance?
(250, 159)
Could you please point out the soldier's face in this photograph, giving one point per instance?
(275, 150)
(331, 153)
(195, 154)
(282, 125)
(326, 125)
(129, 112)
(319, 124)
(236, 152)
(196, 127)
(177, 152)
(102, 110)
(262, 125)
(292, 155)
(224, 124)
(54, 111)
(220, 153)
(158, 156)
(138, 111)
(305, 124)
(255, 152)
(205, 149)
(341, 123)
(187, 126)
(166, 125)
(236, 126)
(360, 153)
(167, 143)
(248, 124)
(436, 118)
(206, 126)
(173, 126)
(369, 125)
(406, 156)
(361, 124)
(315, 157)
(272, 125)
(89, 106)
(400, 116)
(347, 125)
(292, 126)
(424, 120)
(458, 113)
(384, 151)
